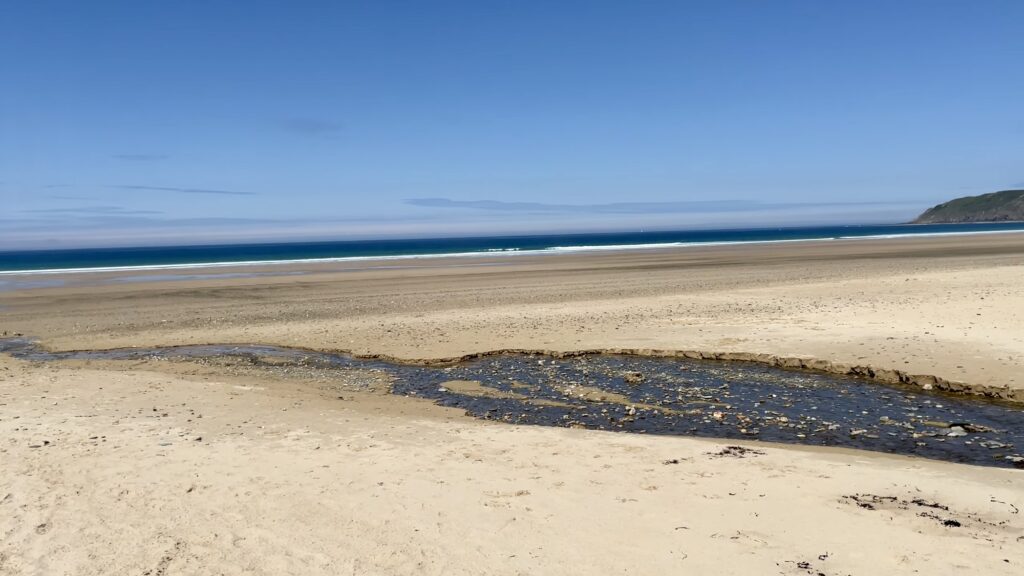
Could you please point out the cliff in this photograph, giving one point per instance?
(1004, 206)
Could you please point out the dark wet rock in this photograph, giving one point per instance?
(993, 445)
(634, 377)
(972, 428)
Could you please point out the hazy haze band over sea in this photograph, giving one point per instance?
(171, 257)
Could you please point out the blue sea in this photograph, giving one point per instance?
(142, 258)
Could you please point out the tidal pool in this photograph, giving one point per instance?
(737, 400)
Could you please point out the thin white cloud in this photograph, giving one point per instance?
(183, 190)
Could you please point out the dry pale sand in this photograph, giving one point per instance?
(175, 468)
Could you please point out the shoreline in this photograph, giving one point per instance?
(552, 251)
(943, 247)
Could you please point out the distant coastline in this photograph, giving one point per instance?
(1002, 206)
(191, 257)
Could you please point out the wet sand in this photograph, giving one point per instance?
(182, 468)
(943, 306)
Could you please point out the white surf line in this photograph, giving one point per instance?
(511, 252)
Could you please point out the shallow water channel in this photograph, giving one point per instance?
(737, 400)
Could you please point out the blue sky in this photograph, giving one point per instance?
(207, 121)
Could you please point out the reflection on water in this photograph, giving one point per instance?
(18, 284)
(668, 396)
(30, 280)
(184, 277)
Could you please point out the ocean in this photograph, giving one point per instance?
(159, 257)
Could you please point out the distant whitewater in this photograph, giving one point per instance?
(161, 257)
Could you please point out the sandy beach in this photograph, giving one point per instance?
(182, 468)
(943, 306)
